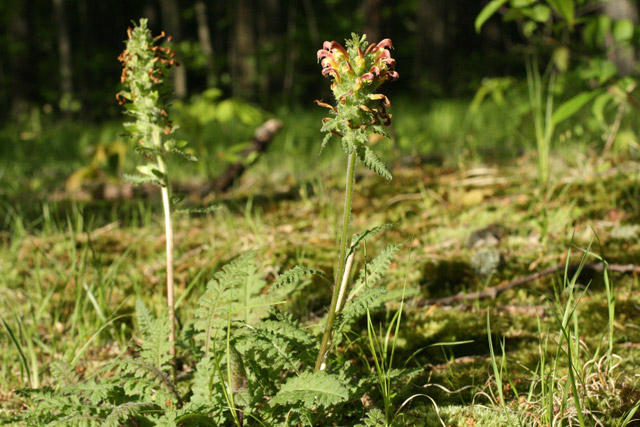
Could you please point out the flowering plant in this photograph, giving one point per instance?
(357, 72)
(144, 97)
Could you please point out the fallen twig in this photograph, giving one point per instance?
(261, 139)
(495, 290)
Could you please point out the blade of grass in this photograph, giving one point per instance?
(18, 347)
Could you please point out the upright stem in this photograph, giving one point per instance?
(328, 327)
(168, 230)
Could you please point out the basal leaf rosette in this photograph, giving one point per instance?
(356, 73)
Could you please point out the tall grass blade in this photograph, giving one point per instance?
(16, 344)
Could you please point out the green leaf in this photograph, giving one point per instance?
(125, 411)
(206, 209)
(176, 199)
(156, 347)
(565, 8)
(600, 70)
(159, 174)
(16, 344)
(287, 328)
(622, 30)
(235, 291)
(373, 162)
(570, 107)
(375, 417)
(375, 269)
(350, 141)
(311, 389)
(599, 104)
(325, 141)
(560, 57)
(529, 28)
(359, 238)
(150, 170)
(139, 179)
(539, 13)
(187, 156)
(204, 388)
(356, 307)
(487, 12)
(294, 275)
(144, 317)
(521, 3)
(602, 29)
(380, 130)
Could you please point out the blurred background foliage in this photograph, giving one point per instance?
(464, 89)
(62, 53)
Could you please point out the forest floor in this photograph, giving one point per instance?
(70, 275)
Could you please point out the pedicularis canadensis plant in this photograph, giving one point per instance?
(357, 72)
(248, 362)
(144, 98)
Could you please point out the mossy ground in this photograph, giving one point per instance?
(70, 274)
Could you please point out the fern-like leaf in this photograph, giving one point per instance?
(375, 418)
(373, 162)
(194, 415)
(325, 141)
(354, 140)
(287, 328)
(204, 388)
(156, 348)
(144, 318)
(356, 308)
(137, 180)
(358, 239)
(203, 210)
(208, 396)
(236, 291)
(379, 129)
(312, 389)
(187, 156)
(374, 270)
(145, 380)
(126, 410)
(291, 277)
(209, 322)
(63, 373)
(282, 341)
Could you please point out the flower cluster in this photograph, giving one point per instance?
(143, 71)
(357, 72)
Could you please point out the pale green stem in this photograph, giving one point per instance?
(345, 281)
(168, 229)
(328, 327)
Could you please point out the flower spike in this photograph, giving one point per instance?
(357, 71)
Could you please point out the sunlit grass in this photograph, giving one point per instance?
(70, 272)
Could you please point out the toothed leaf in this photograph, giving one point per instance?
(373, 162)
(312, 389)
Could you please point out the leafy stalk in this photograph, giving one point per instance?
(165, 189)
(145, 98)
(357, 72)
(328, 327)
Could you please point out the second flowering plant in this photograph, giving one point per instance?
(357, 72)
